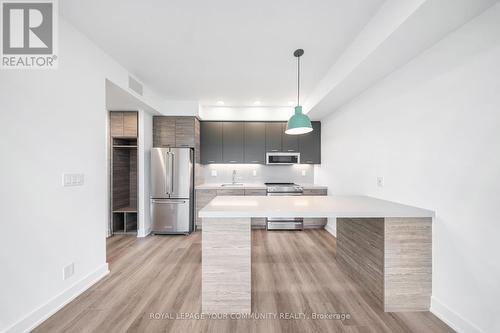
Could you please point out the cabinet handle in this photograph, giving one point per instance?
(211, 161)
(233, 161)
(274, 149)
(255, 161)
(291, 150)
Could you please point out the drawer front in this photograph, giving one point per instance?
(315, 191)
(313, 223)
(255, 192)
(258, 222)
(231, 191)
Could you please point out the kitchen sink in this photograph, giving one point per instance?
(232, 184)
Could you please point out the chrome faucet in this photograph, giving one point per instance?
(234, 176)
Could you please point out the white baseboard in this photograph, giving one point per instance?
(331, 229)
(452, 319)
(38, 316)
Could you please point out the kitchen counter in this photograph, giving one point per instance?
(218, 186)
(385, 246)
(308, 206)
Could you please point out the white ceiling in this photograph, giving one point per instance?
(236, 51)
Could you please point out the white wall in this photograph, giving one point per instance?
(179, 108)
(431, 130)
(53, 122)
(245, 113)
(145, 145)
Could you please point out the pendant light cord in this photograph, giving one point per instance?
(298, 81)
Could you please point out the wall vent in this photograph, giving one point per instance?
(135, 85)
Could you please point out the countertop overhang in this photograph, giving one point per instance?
(308, 207)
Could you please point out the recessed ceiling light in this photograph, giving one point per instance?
(220, 102)
(290, 103)
(256, 103)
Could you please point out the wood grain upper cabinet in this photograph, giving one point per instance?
(290, 143)
(211, 142)
(255, 142)
(232, 142)
(116, 123)
(123, 124)
(310, 145)
(163, 131)
(184, 131)
(273, 136)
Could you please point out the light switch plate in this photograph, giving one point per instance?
(254, 173)
(73, 179)
(214, 173)
(303, 173)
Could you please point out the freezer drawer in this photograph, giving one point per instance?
(171, 216)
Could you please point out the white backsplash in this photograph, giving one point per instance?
(258, 173)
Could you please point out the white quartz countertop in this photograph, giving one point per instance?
(308, 206)
(218, 186)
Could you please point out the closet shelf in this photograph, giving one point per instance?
(125, 210)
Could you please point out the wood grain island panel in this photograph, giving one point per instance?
(391, 257)
(226, 265)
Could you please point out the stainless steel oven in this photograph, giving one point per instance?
(284, 223)
(282, 158)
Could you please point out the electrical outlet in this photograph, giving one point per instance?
(68, 271)
(380, 181)
(303, 173)
(214, 173)
(73, 179)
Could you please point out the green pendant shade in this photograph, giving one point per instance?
(299, 123)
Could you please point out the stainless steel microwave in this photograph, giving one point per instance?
(282, 158)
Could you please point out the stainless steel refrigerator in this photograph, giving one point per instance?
(172, 190)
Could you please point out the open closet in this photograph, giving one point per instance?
(123, 171)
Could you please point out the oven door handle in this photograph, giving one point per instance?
(272, 194)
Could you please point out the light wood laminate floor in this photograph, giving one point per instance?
(292, 272)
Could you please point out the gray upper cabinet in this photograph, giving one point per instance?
(273, 137)
(255, 142)
(310, 145)
(232, 142)
(290, 143)
(211, 142)
(248, 142)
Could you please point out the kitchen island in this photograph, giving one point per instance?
(385, 246)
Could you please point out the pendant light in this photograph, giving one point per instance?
(299, 123)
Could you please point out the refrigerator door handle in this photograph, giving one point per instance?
(172, 163)
(167, 158)
(168, 201)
